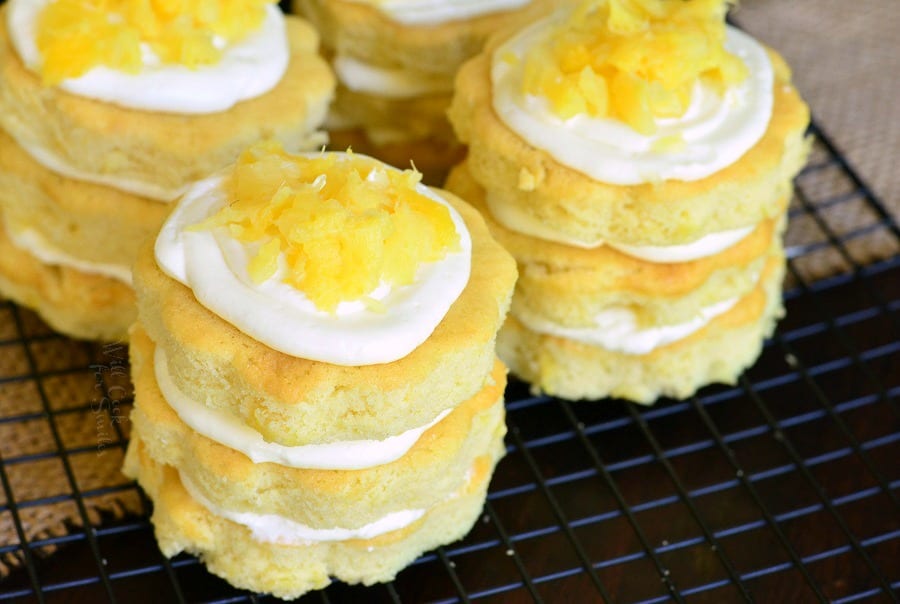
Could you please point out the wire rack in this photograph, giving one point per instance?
(783, 488)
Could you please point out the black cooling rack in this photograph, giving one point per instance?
(783, 488)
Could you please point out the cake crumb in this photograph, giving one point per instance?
(527, 180)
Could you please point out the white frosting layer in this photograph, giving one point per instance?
(214, 266)
(708, 245)
(230, 431)
(248, 68)
(272, 528)
(517, 220)
(434, 12)
(38, 246)
(716, 130)
(363, 77)
(617, 329)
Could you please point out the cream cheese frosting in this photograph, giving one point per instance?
(214, 266)
(247, 69)
(434, 12)
(617, 329)
(235, 434)
(717, 130)
(395, 83)
(708, 245)
(272, 528)
(38, 246)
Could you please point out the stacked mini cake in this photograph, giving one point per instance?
(636, 159)
(316, 388)
(396, 61)
(108, 111)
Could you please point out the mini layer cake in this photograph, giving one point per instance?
(643, 199)
(101, 125)
(588, 323)
(396, 61)
(315, 380)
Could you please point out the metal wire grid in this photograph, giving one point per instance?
(782, 488)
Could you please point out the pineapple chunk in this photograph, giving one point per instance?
(632, 60)
(341, 226)
(630, 99)
(75, 36)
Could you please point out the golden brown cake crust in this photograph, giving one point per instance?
(431, 471)
(718, 352)
(517, 175)
(362, 31)
(296, 401)
(163, 149)
(77, 304)
(88, 221)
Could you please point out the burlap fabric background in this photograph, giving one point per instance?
(57, 394)
(847, 66)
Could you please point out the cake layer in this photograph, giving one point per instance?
(230, 550)
(387, 120)
(571, 286)
(90, 222)
(158, 154)
(718, 352)
(295, 401)
(78, 304)
(362, 31)
(527, 186)
(432, 470)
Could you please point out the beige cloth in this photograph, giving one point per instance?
(844, 56)
(846, 62)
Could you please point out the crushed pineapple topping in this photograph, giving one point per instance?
(75, 36)
(632, 60)
(340, 225)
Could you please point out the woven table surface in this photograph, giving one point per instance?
(846, 60)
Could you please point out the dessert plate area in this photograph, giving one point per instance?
(785, 487)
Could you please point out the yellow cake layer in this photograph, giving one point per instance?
(87, 221)
(75, 303)
(388, 120)
(718, 352)
(361, 31)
